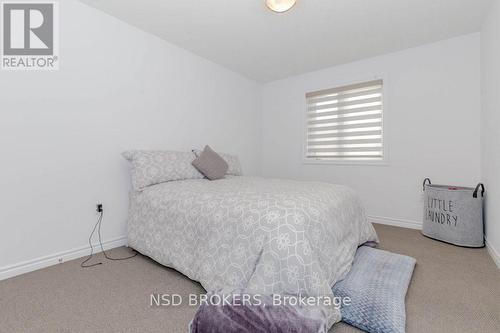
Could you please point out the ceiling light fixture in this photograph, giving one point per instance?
(280, 6)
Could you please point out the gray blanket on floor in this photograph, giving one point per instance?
(262, 318)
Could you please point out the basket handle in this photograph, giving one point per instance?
(474, 195)
(425, 181)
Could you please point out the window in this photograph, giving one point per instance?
(345, 123)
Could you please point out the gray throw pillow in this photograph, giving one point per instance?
(211, 164)
(233, 162)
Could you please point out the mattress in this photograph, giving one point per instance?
(268, 236)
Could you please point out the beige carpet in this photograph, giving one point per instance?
(453, 290)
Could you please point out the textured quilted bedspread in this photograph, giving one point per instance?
(266, 236)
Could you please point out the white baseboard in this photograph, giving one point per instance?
(418, 225)
(493, 253)
(395, 222)
(57, 258)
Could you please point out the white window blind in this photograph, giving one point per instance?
(346, 123)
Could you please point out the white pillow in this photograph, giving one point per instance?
(150, 167)
(233, 162)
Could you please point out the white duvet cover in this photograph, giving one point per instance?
(266, 236)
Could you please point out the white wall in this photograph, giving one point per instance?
(432, 115)
(490, 134)
(61, 132)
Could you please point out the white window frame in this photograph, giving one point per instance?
(385, 112)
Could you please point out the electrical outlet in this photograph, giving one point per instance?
(99, 208)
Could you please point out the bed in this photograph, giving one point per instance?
(268, 236)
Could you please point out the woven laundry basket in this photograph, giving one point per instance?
(454, 214)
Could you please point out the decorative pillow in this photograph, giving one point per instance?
(150, 167)
(211, 164)
(233, 162)
(377, 285)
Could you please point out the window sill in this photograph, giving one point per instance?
(383, 162)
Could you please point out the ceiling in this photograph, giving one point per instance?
(245, 37)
